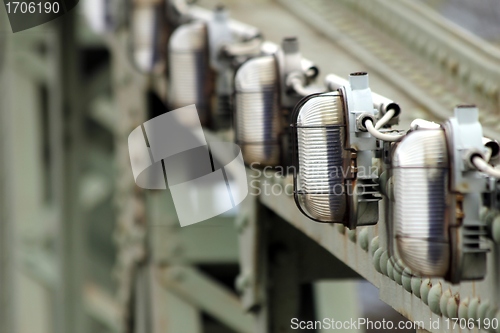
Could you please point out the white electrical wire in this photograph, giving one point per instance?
(299, 88)
(379, 135)
(484, 167)
(387, 116)
(488, 154)
(373, 129)
(423, 124)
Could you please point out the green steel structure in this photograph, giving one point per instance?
(83, 249)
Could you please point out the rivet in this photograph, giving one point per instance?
(384, 258)
(424, 290)
(482, 310)
(242, 282)
(452, 306)
(363, 239)
(473, 307)
(416, 283)
(463, 309)
(406, 279)
(351, 234)
(390, 269)
(491, 314)
(434, 297)
(398, 271)
(374, 245)
(376, 259)
(443, 302)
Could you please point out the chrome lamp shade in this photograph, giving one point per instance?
(190, 73)
(321, 139)
(421, 173)
(257, 112)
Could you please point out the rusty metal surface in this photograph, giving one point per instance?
(130, 92)
(413, 56)
(363, 250)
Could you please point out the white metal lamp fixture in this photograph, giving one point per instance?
(190, 76)
(202, 61)
(439, 179)
(267, 88)
(336, 181)
(149, 35)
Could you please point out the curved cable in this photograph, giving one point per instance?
(487, 156)
(299, 88)
(387, 116)
(379, 135)
(484, 167)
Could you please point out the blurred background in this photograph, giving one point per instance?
(83, 249)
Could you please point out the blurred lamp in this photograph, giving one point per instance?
(203, 55)
(267, 88)
(149, 35)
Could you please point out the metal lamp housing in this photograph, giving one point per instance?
(437, 199)
(336, 181)
(263, 102)
(321, 155)
(258, 116)
(421, 171)
(101, 15)
(190, 74)
(149, 35)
